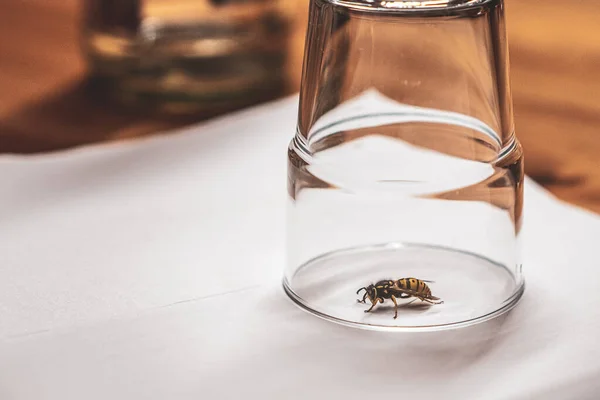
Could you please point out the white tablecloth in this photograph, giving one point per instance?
(138, 271)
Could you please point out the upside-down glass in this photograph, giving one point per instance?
(405, 165)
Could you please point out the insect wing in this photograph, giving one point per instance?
(396, 291)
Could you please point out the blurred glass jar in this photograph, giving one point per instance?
(187, 55)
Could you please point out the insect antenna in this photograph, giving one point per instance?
(362, 288)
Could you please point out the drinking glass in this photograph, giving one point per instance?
(183, 56)
(405, 172)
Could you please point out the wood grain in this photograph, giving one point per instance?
(45, 101)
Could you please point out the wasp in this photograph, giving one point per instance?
(400, 289)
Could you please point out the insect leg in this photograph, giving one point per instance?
(372, 305)
(431, 301)
(410, 302)
(395, 306)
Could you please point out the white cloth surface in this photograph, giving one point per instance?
(151, 270)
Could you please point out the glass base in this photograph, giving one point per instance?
(473, 289)
(187, 95)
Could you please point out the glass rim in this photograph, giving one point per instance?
(410, 6)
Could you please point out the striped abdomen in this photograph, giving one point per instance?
(414, 285)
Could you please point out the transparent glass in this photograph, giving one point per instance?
(187, 55)
(405, 165)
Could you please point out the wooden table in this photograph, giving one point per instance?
(555, 57)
